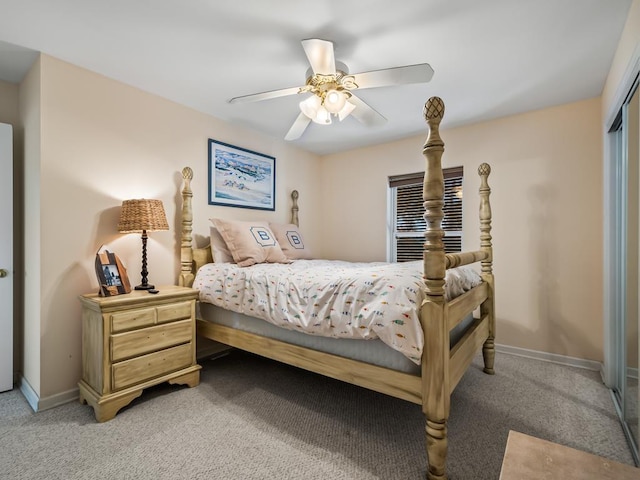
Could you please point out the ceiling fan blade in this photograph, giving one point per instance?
(365, 113)
(256, 97)
(420, 73)
(298, 127)
(320, 55)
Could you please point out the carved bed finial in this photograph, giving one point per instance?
(484, 169)
(187, 173)
(434, 109)
(294, 208)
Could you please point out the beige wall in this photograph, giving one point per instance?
(547, 208)
(102, 142)
(8, 103)
(30, 118)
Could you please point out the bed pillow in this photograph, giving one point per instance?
(250, 242)
(219, 250)
(290, 239)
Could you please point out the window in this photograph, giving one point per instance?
(407, 225)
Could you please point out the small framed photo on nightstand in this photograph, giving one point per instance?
(112, 276)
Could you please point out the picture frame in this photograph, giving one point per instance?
(112, 276)
(241, 178)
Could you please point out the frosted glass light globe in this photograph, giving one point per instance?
(323, 116)
(310, 106)
(334, 101)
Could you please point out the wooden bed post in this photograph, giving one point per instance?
(488, 306)
(294, 208)
(186, 254)
(435, 357)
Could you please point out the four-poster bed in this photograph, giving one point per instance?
(443, 361)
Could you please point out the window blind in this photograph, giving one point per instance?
(408, 222)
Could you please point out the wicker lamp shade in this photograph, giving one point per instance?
(142, 214)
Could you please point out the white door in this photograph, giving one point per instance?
(6, 257)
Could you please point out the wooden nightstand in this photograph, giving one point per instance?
(133, 341)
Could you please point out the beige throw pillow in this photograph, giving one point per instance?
(250, 242)
(219, 250)
(290, 240)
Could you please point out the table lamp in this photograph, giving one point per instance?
(142, 215)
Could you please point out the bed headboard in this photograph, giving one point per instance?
(192, 258)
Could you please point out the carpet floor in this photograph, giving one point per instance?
(252, 418)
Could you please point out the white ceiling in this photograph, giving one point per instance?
(491, 58)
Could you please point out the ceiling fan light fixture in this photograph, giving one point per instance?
(334, 100)
(310, 106)
(346, 110)
(323, 117)
(329, 87)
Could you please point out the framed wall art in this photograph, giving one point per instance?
(240, 177)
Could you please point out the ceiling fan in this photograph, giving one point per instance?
(331, 88)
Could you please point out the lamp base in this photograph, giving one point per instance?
(144, 286)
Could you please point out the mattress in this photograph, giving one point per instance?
(373, 351)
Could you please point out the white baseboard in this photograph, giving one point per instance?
(29, 394)
(59, 399)
(38, 404)
(551, 357)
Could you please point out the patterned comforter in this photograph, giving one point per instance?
(332, 298)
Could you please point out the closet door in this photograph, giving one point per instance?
(625, 251)
(631, 339)
(6, 257)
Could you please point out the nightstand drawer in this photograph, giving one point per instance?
(152, 365)
(145, 340)
(138, 318)
(176, 311)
